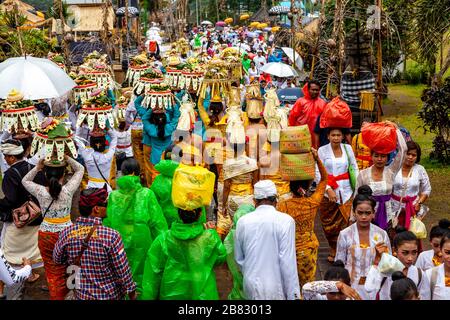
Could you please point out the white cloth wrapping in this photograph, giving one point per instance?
(265, 252)
(264, 189)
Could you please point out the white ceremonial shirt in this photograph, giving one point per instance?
(441, 292)
(358, 260)
(425, 260)
(104, 161)
(337, 166)
(124, 142)
(265, 252)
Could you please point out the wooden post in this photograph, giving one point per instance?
(379, 65)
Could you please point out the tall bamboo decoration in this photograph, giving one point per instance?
(64, 45)
(379, 64)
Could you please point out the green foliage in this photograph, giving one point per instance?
(435, 115)
(416, 73)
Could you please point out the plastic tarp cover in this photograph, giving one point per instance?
(180, 264)
(237, 292)
(162, 187)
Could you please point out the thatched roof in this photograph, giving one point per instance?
(24, 9)
(262, 15)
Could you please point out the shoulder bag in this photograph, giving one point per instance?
(28, 212)
(77, 261)
(351, 170)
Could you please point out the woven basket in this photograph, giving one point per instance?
(295, 140)
(299, 166)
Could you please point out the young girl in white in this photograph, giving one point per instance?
(405, 246)
(440, 276)
(360, 245)
(433, 257)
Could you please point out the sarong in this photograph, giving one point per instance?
(19, 243)
(138, 148)
(55, 273)
(334, 218)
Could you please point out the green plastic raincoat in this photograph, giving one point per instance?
(237, 293)
(162, 187)
(135, 213)
(180, 264)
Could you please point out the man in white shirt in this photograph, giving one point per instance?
(265, 249)
(259, 60)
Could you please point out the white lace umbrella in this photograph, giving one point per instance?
(279, 69)
(35, 78)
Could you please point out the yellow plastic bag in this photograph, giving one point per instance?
(418, 228)
(192, 187)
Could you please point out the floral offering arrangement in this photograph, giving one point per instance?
(55, 139)
(18, 114)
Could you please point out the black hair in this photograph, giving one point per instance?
(98, 143)
(18, 143)
(130, 166)
(214, 105)
(270, 199)
(122, 125)
(440, 230)
(337, 272)
(328, 130)
(364, 195)
(402, 235)
(317, 83)
(43, 107)
(295, 185)
(445, 239)
(189, 216)
(154, 119)
(411, 145)
(53, 175)
(168, 152)
(403, 288)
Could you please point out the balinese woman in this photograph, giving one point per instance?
(240, 174)
(361, 244)
(335, 207)
(411, 187)
(55, 200)
(304, 209)
(380, 178)
(99, 160)
(133, 210)
(440, 276)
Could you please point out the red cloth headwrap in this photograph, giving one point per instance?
(99, 196)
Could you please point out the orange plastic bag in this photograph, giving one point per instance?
(379, 137)
(336, 114)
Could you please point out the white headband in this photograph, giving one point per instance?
(10, 149)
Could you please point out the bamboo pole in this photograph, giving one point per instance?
(19, 34)
(379, 65)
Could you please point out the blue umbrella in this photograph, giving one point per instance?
(289, 95)
(252, 34)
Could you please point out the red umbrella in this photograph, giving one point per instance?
(220, 24)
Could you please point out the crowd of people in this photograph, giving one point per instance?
(112, 225)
